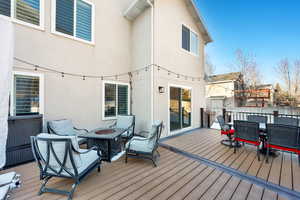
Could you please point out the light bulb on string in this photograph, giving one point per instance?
(62, 74)
(35, 67)
(83, 78)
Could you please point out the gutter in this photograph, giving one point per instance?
(152, 63)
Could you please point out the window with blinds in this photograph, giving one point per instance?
(26, 95)
(190, 41)
(27, 11)
(74, 18)
(116, 100)
(5, 7)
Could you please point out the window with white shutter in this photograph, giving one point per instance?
(28, 12)
(116, 100)
(26, 94)
(74, 19)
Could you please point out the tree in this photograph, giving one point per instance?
(247, 65)
(290, 75)
(209, 67)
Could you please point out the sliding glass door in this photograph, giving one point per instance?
(180, 108)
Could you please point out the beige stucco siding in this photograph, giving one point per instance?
(169, 18)
(71, 97)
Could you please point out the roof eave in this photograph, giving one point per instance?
(200, 21)
(135, 9)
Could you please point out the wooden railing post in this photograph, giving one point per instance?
(208, 120)
(201, 117)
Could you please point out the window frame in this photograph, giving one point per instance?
(103, 99)
(73, 37)
(41, 77)
(13, 18)
(198, 39)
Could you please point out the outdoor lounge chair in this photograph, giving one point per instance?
(225, 130)
(286, 121)
(60, 156)
(145, 148)
(283, 137)
(126, 122)
(247, 132)
(257, 118)
(65, 127)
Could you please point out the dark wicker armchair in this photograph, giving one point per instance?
(225, 130)
(286, 121)
(60, 156)
(247, 132)
(283, 137)
(257, 118)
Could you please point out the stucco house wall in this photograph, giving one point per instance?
(169, 18)
(71, 97)
(121, 45)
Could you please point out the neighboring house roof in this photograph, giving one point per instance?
(233, 76)
(138, 6)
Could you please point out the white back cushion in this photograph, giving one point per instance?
(59, 149)
(124, 121)
(62, 127)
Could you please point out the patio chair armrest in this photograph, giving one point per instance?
(81, 129)
(142, 134)
(113, 125)
(138, 139)
(88, 150)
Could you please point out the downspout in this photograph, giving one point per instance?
(152, 63)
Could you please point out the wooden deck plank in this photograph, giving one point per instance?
(286, 171)
(176, 176)
(255, 193)
(296, 172)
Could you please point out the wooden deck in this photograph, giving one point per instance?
(177, 176)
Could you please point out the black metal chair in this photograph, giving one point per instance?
(126, 122)
(247, 132)
(225, 130)
(65, 127)
(145, 148)
(60, 156)
(283, 137)
(286, 121)
(257, 118)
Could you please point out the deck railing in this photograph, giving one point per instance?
(208, 116)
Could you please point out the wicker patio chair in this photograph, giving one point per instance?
(60, 156)
(257, 118)
(225, 130)
(145, 148)
(283, 137)
(286, 121)
(126, 122)
(65, 127)
(247, 132)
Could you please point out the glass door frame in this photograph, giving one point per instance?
(192, 110)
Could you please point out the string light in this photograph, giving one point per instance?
(146, 68)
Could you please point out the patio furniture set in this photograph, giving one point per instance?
(58, 152)
(283, 134)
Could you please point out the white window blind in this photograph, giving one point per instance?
(26, 95)
(116, 100)
(27, 11)
(74, 18)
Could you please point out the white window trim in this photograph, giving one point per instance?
(13, 18)
(193, 31)
(103, 98)
(53, 23)
(192, 110)
(41, 90)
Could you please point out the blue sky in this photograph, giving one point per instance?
(269, 29)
